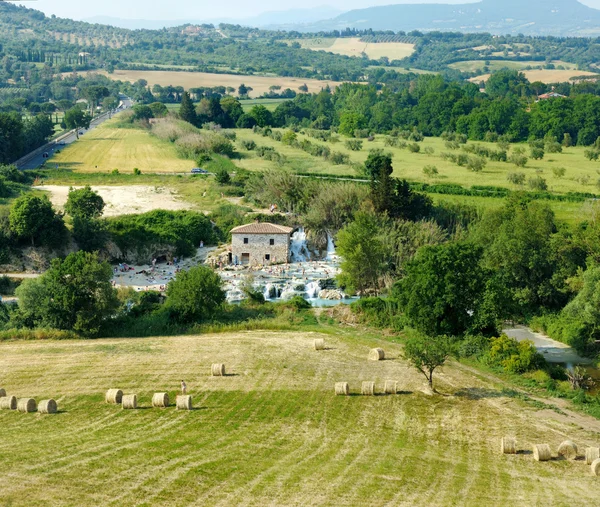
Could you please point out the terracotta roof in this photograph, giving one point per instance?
(262, 228)
(551, 95)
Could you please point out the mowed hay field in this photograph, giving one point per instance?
(259, 84)
(352, 46)
(106, 148)
(272, 432)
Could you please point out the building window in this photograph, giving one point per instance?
(267, 257)
(271, 242)
(245, 241)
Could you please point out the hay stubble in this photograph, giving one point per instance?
(274, 434)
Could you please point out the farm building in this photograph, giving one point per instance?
(260, 243)
(550, 95)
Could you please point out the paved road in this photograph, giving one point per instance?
(552, 350)
(38, 160)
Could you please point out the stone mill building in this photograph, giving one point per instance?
(260, 243)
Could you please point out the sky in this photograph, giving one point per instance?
(201, 10)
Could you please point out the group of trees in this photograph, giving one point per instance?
(427, 103)
(76, 294)
(18, 137)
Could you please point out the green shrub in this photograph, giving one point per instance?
(414, 148)
(537, 153)
(430, 171)
(474, 346)
(537, 183)
(249, 144)
(222, 176)
(354, 144)
(476, 164)
(516, 178)
(514, 356)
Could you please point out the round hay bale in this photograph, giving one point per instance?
(591, 454)
(2, 393)
(184, 402)
(508, 445)
(48, 407)
(342, 389)
(129, 401)
(391, 387)
(26, 405)
(319, 344)
(114, 396)
(596, 467)
(376, 355)
(368, 388)
(218, 370)
(8, 403)
(568, 450)
(542, 452)
(160, 400)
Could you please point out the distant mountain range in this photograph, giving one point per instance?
(531, 17)
(266, 19)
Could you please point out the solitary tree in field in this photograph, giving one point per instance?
(426, 353)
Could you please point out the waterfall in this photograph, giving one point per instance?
(312, 290)
(298, 248)
(330, 248)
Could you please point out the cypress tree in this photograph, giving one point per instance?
(187, 111)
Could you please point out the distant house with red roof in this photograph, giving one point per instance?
(551, 95)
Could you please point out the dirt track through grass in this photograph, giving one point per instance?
(273, 433)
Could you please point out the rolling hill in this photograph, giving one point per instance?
(536, 17)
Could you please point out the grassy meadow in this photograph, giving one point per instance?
(410, 165)
(272, 432)
(108, 147)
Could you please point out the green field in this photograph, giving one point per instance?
(270, 104)
(106, 148)
(410, 165)
(272, 432)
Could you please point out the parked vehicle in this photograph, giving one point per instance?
(198, 170)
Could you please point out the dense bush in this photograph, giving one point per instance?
(181, 230)
(514, 356)
(195, 295)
